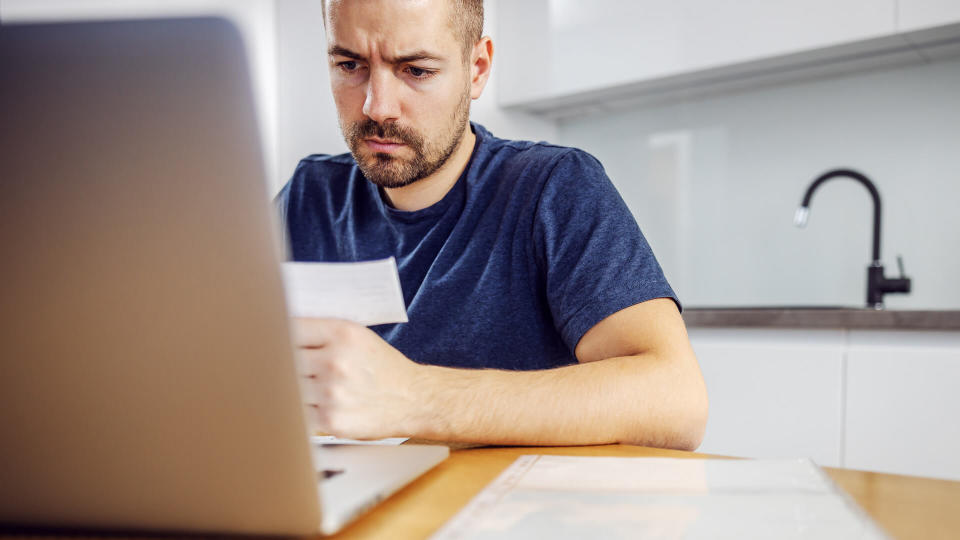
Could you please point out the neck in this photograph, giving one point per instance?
(428, 191)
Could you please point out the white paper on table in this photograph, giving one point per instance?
(562, 497)
(323, 440)
(364, 292)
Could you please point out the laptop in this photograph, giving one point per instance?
(147, 379)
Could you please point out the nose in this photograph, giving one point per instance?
(382, 104)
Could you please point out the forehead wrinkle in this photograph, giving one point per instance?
(413, 57)
(336, 50)
(373, 31)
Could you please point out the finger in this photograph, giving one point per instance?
(316, 418)
(313, 363)
(310, 332)
(315, 332)
(315, 392)
(314, 395)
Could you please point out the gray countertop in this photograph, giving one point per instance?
(822, 317)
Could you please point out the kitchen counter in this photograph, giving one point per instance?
(822, 317)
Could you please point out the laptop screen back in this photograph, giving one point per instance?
(147, 380)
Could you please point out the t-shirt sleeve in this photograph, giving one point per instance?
(590, 249)
(280, 203)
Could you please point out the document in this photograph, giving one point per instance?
(615, 497)
(327, 440)
(364, 292)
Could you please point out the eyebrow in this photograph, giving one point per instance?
(415, 56)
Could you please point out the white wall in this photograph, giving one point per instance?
(486, 111)
(714, 184)
(307, 114)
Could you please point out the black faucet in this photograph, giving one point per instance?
(877, 284)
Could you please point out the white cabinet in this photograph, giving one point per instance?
(903, 403)
(932, 26)
(773, 393)
(920, 14)
(609, 43)
(886, 401)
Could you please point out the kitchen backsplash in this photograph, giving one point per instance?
(714, 184)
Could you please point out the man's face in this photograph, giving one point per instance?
(401, 85)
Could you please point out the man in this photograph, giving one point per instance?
(538, 314)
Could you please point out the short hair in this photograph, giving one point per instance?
(466, 20)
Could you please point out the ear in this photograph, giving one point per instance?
(480, 65)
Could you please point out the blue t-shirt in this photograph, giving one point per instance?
(529, 249)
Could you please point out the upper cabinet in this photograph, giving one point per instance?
(921, 14)
(560, 55)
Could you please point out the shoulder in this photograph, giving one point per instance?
(317, 175)
(540, 153)
(545, 165)
(322, 166)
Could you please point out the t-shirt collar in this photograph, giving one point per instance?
(440, 206)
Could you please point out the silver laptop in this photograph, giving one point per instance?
(147, 379)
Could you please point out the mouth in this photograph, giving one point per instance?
(383, 145)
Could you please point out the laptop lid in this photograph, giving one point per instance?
(147, 375)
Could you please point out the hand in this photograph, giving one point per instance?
(356, 385)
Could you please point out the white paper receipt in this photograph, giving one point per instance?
(327, 440)
(364, 292)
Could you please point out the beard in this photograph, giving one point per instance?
(391, 171)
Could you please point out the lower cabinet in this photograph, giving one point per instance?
(903, 403)
(773, 393)
(886, 401)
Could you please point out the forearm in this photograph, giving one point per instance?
(636, 399)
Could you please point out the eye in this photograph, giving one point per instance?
(420, 73)
(348, 66)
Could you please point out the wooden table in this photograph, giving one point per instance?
(906, 507)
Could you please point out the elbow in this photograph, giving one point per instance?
(686, 427)
(681, 421)
(684, 430)
(692, 424)
(693, 408)
(693, 412)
